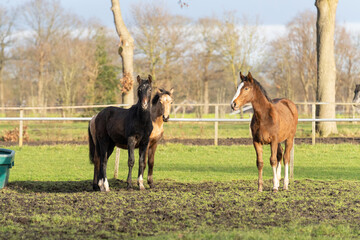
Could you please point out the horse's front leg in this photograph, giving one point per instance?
(274, 165)
(142, 153)
(131, 159)
(151, 160)
(259, 164)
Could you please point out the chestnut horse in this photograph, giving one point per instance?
(273, 122)
(159, 113)
(124, 128)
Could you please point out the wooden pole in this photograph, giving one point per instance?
(313, 130)
(21, 127)
(292, 161)
(216, 126)
(117, 159)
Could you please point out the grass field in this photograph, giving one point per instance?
(202, 192)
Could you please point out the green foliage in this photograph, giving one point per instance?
(106, 84)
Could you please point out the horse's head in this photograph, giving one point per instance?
(144, 91)
(244, 92)
(162, 102)
(357, 94)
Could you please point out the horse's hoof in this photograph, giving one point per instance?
(142, 188)
(260, 190)
(285, 188)
(152, 185)
(275, 190)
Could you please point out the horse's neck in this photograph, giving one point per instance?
(261, 105)
(156, 117)
(144, 115)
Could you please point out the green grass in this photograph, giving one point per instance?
(188, 163)
(202, 192)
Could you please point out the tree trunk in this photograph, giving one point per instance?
(326, 71)
(206, 95)
(126, 52)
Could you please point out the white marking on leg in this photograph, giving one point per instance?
(275, 179)
(286, 176)
(278, 171)
(237, 92)
(141, 182)
(101, 185)
(106, 185)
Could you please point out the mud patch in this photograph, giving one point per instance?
(71, 210)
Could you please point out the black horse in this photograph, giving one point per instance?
(356, 98)
(124, 128)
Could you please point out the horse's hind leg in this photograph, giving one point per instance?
(279, 156)
(96, 172)
(102, 180)
(288, 147)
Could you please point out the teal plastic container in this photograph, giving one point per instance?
(7, 157)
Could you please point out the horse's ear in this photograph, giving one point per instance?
(171, 91)
(249, 77)
(242, 77)
(138, 79)
(150, 78)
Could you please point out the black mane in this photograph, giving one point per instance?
(262, 90)
(158, 95)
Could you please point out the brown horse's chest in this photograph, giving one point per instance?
(261, 133)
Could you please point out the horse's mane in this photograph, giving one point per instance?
(262, 90)
(158, 95)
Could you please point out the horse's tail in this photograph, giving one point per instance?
(91, 146)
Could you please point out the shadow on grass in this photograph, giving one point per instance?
(60, 186)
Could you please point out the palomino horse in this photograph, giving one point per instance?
(160, 111)
(124, 128)
(273, 122)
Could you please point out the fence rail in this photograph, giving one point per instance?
(215, 120)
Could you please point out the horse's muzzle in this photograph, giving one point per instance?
(144, 104)
(166, 118)
(233, 106)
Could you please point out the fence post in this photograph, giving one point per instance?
(216, 125)
(353, 114)
(117, 159)
(313, 110)
(21, 127)
(292, 160)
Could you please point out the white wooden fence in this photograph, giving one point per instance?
(215, 120)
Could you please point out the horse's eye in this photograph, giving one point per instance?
(246, 88)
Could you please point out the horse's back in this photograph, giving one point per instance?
(286, 106)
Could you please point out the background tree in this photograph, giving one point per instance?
(106, 84)
(6, 27)
(239, 45)
(126, 52)
(326, 69)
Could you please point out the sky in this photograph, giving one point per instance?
(269, 12)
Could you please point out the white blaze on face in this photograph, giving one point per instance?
(238, 92)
